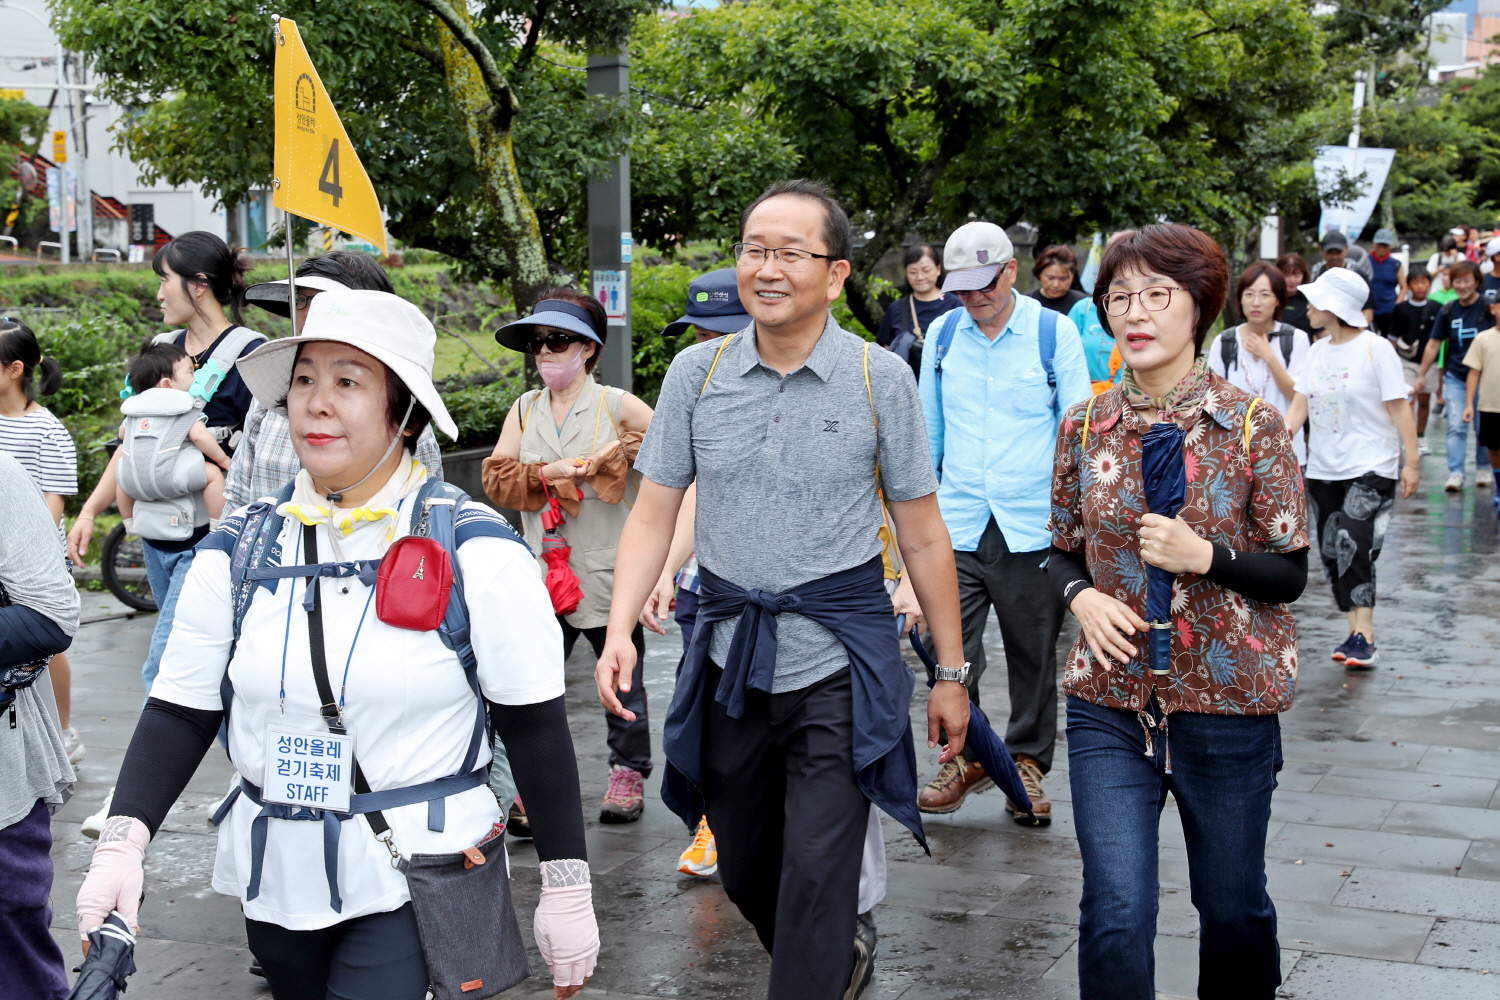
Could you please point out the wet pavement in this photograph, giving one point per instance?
(1383, 854)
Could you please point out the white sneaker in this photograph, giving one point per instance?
(1455, 482)
(95, 823)
(1423, 448)
(74, 746)
(1484, 477)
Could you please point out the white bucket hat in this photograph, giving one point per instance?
(974, 254)
(384, 326)
(1338, 290)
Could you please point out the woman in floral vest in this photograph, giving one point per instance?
(1207, 730)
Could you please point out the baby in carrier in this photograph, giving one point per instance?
(157, 465)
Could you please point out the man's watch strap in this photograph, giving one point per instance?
(960, 674)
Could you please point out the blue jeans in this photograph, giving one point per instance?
(1458, 431)
(166, 571)
(1223, 770)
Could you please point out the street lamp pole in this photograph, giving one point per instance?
(609, 230)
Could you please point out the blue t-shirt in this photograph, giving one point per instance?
(1385, 282)
(1098, 344)
(1457, 325)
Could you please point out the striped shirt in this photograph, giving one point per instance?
(43, 446)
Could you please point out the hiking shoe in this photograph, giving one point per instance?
(1342, 651)
(1484, 477)
(702, 857)
(1423, 448)
(866, 942)
(91, 827)
(1041, 806)
(1362, 653)
(1455, 482)
(625, 799)
(954, 781)
(74, 746)
(516, 823)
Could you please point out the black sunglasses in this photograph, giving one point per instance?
(554, 342)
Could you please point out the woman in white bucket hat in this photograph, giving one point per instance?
(1352, 393)
(295, 652)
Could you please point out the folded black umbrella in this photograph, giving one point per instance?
(982, 743)
(110, 960)
(1165, 473)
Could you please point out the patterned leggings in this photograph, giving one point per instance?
(1351, 515)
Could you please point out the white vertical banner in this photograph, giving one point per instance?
(70, 198)
(54, 199)
(1368, 167)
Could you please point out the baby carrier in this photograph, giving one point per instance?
(159, 468)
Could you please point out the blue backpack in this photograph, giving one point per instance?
(252, 541)
(1046, 343)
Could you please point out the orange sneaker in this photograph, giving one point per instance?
(702, 857)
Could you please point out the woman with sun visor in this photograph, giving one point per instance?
(564, 461)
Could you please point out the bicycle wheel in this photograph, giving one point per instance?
(123, 566)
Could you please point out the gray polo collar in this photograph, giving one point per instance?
(822, 361)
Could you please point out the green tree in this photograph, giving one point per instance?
(454, 108)
(1089, 113)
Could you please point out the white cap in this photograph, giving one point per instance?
(973, 256)
(384, 326)
(1493, 247)
(1458, 231)
(1338, 290)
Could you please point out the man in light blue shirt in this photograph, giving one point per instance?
(992, 409)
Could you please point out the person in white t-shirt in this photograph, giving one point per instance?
(1352, 393)
(1263, 355)
(326, 910)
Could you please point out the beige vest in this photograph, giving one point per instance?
(592, 423)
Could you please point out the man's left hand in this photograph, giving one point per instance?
(1169, 543)
(948, 711)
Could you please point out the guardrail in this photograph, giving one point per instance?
(15, 244)
(114, 257)
(54, 246)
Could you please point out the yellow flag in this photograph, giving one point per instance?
(318, 174)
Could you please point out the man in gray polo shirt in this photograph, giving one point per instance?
(789, 727)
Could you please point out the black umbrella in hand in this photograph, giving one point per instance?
(111, 958)
(982, 744)
(1165, 473)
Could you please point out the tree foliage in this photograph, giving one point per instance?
(201, 76)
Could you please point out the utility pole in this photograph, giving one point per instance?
(1359, 103)
(610, 242)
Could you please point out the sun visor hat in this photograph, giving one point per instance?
(315, 274)
(554, 313)
(973, 256)
(713, 303)
(384, 326)
(1340, 291)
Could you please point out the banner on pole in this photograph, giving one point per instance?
(317, 173)
(1368, 168)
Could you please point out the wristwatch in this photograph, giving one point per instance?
(960, 674)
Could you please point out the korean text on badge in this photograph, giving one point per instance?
(312, 768)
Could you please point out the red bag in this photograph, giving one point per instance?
(414, 584)
(562, 582)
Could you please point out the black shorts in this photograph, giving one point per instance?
(1489, 429)
(1385, 323)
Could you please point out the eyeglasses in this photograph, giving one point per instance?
(304, 299)
(965, 293)
(790, 258)
(1252, 296)
(554, 342)
(1153, 299)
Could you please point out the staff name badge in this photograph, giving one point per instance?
(311, 769)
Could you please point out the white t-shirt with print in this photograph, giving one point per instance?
(1254, 375)
(407, 703)
(1347, 386)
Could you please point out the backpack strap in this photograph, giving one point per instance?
(717, 355)
(1229, 347)
(890, 552)
(1046, 332)
(216, 369)
(949, 321)
(1288, 335)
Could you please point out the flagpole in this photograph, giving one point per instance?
(291, 267)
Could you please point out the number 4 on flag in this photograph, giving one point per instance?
(328, 181)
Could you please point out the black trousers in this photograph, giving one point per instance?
(374, 957)
(790, 824)
(629, 742)
(1351, 515)
(1015, 584)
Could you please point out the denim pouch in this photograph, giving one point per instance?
(466, 921)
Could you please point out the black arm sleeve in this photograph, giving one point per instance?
(1271, 577)
(540, 749)
(1069, 574)
(26, 634)
(168, 745)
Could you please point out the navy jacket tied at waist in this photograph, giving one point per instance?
(854, 606)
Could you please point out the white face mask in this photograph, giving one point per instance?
(560, 372)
